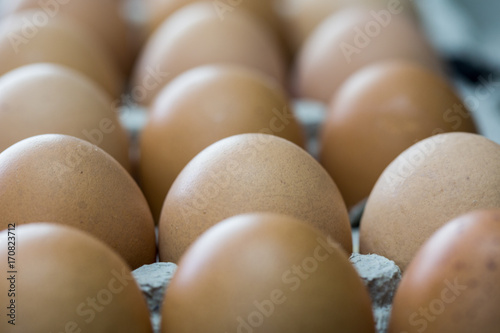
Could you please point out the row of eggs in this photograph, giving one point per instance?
(243, 173)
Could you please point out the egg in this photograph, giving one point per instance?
(453, 285)
(33, 36)
(249, 173)
(351, 39)
(61, 279)
(202, 106)
(104, 19)
(430, 183)
(159, 10)
(48, 98)
(62, 179)
(266, 273)
(299, 18)
(378, 112)
(194, 36)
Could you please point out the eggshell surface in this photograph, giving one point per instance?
(202, 106)
(380, 111)
(65, 280)
(453, 285)
(196, 36)
(351, 39)
(430, 183)
(266, 272)
(52, 99)
(32, 36)
(249, 173)
(66, 180)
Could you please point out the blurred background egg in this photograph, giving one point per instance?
(453, 284)
(159, 10)
(250, 173)
(202, 106)
(32, 36)
(268, 272)
(52, 99)
(195, 36)
(377, 113)
(432, 182)
(299, 18)
(351, 39)
(66, 180)
(68, 281)
(104, 19)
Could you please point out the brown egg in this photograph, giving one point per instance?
(351, 39)
(430, 183)
(66, 180)
(61, 279)
(300, 17)
(380, 111)
(32, 36)
(249, 173)
(104, 19)
(453, 284)
(266, 273)
(49, 98)
(195, 36)
(159, 10)
(202, 106)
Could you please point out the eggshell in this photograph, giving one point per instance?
(104, 19)
(49, 98)
(453, 284)
(32, 36)
(249, 173)
(66, 180)
(159, 10)
(351, 39)
(267, 273)
(299, 18)
(65, 280)
(430, 183)
(380, 111)
(195, 36)
(199, 108)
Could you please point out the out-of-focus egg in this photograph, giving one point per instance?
(159, 10)
(351, 39)
(202, 106)
(32, 36)
(266, 272)
(249, 173)
(196, 36)
(52, 99)
(380, 111)
(65, 280)
(66, 180)
(105, 19)
(453, 284)
(429, 184)
(300, 17)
